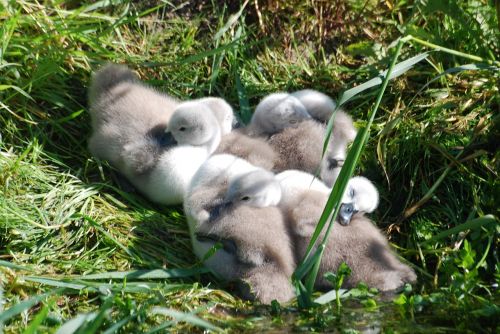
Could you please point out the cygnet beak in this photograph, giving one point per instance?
(334, 163)
(217, 211)
(345, 213)
(167, 140)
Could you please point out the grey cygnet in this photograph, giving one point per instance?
(128, 129)
(360, 245)
(241, 213)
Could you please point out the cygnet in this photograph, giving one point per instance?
(276, 112)
(360, 245)
(301, 147)
(242, 214)
(299, 143)
(128, 130)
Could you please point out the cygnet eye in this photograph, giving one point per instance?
(245, 198)
(292, 121)
(182, 128)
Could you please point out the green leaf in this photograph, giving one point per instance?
(230, 22)
(93, 325)
(401, 300)
(333, 203)
(245, 110)
(330, 296)
(117, 325)
(398, 70)
(467, 67)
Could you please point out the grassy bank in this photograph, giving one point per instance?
(433, 154)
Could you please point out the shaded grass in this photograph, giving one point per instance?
(64, 214)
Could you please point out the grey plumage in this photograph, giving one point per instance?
(262, 249)
(276, 112)
(235, 202)
(297, 139)
(360, 244)
(255, 150)
(320, 106)
(299, 147)
(222, 111)
(128, 130)
(343, 133)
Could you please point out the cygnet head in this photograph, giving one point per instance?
(276, 112)
(360, 196)
(318, 105)
(193, 123)
(257, 188)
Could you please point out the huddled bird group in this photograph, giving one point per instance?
(258, 191)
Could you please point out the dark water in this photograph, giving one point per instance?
(381, 315)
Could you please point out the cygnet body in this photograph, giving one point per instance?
(238, 208)
(360, 245)
(128, 130)
(253, 149)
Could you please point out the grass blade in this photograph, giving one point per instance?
(37, 321)
(468, 225)
(330, 296)
(146, 274)
(13, 266)
(467, 67)
(72, 325)
(26, 304)
(186, 317)
(398, 70)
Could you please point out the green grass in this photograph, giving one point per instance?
(63, 216)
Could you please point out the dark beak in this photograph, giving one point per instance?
(217, 211)
(334, 163)
(166, 140)
(345, 213)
